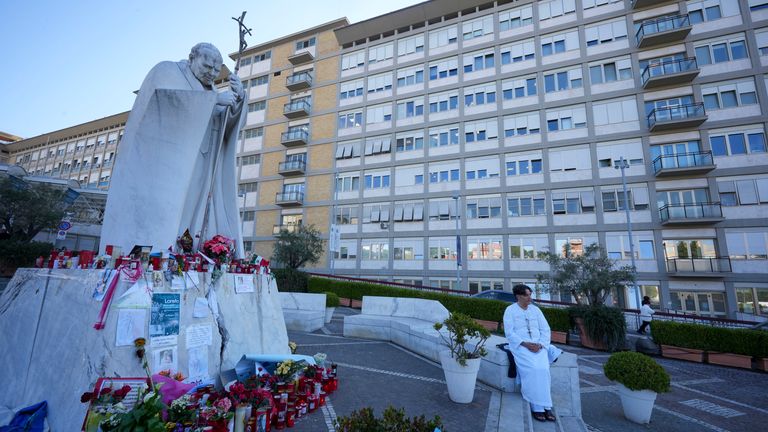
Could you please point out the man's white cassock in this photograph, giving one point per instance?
(533, 368)
(163, 171)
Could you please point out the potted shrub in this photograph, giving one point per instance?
(331, 303)
(640, 380)
(559, 322)
(590, 277)
(681, 341)
(465, 339)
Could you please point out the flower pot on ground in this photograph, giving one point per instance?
(465, 339)
(331, 303)
(728, 359)
(559, 337)
(640, 379)
(600, 327)
(680, 353)
(762, 364)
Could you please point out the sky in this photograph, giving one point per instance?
(69, 62)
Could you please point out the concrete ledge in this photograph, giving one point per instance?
(409, 323)
(302, 311)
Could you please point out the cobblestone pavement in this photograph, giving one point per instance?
(378, 374)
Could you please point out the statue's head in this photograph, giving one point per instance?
(205, 61)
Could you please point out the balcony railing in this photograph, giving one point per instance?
(637, 4)
(701, 266)
(292, 167)
(294, 137)
(299, 81)
(691, 213)
(297, 108)
(663, 30)
(678, 116)
(669, 72)
(289, 198)
(291, 228)
(683, 163)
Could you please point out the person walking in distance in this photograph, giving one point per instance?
(646, 314)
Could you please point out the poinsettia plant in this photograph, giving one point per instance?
(220, 248)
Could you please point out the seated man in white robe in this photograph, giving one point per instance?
(528, 334)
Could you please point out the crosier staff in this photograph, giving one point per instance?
(242, 30)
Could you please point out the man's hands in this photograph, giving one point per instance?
(532, 347)
(235, 93)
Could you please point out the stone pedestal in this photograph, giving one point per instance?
(52, 352)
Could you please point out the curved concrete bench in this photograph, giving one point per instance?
(409, 322)
(303, 311)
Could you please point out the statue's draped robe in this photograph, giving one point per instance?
(164, 167)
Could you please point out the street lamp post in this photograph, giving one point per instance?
(458, 242)
(243, 194)
(622, 165)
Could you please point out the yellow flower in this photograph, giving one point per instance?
(139, 342)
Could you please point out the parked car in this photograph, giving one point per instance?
(496, 295)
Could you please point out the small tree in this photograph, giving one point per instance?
(299, 247)
(589, 277)
(25, 211)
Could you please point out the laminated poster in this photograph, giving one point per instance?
(165, 358)
(164, 320)
(131, 325)
(244, 283)
(198, 363)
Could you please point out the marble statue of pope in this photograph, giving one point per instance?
(165, 164)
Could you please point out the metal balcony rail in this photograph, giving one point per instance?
(668, 67)
(677, 112)
(699, 265)
(295, 165)
(691, 211)
(660, 25)
(296, 134)
(298, 105)
(299, 78)
(683, 160)
(289, 196)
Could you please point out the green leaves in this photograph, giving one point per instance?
(297, 247)
(637, 372)
(461, 330)
(391, 420)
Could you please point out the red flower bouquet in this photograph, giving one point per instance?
(220, 248)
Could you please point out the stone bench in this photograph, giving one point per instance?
(409, 322)
(302, 311)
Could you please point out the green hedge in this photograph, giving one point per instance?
(331, 299)
(703, 337)
(478, 308)
(291, 280)
(15, 254)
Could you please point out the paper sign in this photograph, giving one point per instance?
(198, 363)
(164, 341)
(131, 324)
(165, 358)
(165, 314)
(201, 308)
(177, 283)
(244, 283)
(199, 334)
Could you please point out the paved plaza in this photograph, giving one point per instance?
(379, 374)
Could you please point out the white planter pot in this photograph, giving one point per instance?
(637, 404)
(460, 379)
(329, 314)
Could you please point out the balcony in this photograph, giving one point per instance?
(688, 214)
(287, 199)
(297, 108)
(663, 30)
(293, 138)
(683, 164)
(639, 4)
(291, 228)
(676, 117)
(289, 168)
(299, 81)
(668, 73)
(698, 267)
(301, 58)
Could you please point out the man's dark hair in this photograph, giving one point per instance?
(520, 289)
